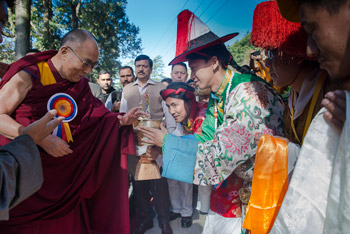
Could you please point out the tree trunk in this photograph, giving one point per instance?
(75, 5)
(22, 28)
(47, 32)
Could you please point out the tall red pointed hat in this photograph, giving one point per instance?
(272, 31)
(194, 35)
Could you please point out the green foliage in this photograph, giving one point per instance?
(39, 41)
(7, 54)
(7, 47)
(116, 36)
(106, 20)
(241, 50)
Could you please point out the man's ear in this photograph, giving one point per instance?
(215, 63)
(64, 52)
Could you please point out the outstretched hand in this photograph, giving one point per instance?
(41, 128)
(130, 117)
(335, 103)
(154, 136)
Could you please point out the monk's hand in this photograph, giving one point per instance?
(335, 103)
(153, 136)
(55, 146)
(153, 152)
(41, 128)
(130, 117)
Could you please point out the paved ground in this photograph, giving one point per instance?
(196, 228)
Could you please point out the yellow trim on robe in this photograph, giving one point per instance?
(47, 78)
(46, 75)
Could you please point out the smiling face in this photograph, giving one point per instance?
(201, 72)
(73, 68)
(178, 108)
(328, 37)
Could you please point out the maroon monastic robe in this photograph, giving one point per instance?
(84, 191)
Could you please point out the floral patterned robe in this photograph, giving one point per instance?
(251, 109)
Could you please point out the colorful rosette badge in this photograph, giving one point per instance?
(67, 108)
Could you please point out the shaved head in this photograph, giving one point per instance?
(77, 56)
(77, 36)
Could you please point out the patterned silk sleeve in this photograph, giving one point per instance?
(252, 109)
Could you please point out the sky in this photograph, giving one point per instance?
(157, 21)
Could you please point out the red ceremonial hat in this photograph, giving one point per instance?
(272, 31)
(193, 35)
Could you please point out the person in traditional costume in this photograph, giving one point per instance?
(191, 115)
(181, 101)
(316, 199)
(85, 155)
(181, 193)
(241, 108)
(284, 43)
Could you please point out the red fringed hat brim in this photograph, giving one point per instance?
(182, 57)
(272, 31)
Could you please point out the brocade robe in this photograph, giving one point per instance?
(252, 108)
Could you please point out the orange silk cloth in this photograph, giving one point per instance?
(270, 184)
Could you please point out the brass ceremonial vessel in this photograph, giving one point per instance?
(145, 169)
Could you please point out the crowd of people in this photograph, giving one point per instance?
(72, 161)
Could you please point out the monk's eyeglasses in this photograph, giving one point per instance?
(85, 63)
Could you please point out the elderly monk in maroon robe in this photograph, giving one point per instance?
(84, 165)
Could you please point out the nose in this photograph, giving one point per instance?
(171, 111)
(87, 70)
(192, 75)
(312, 48)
